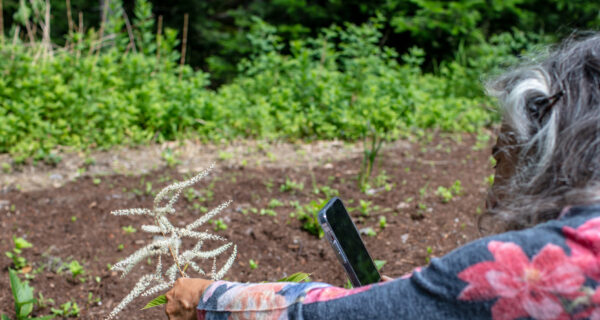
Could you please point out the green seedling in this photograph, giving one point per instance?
(67, 309)
(429, 254)
(129, 229)
(253, 264)
(274, 203)
(73, 219)
(19, 244)
(23, 297)
(370, 232)
(96, 181)
(93, 300)
(291, 186)
(76, 269)
(364, 207)
(382, 222)
(490, 180)
(170, 157)
(43, 302)
(224, 155)
(120, 247)
(268, 212)
(219, 225)
(309, 215)
(327, 192)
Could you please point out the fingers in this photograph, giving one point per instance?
(386, 279)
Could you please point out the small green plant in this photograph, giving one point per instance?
(382, 222)
(429, 254)
(96, 181)
(490, 180)
(76, 269)
(364, 207)
(67, 309)
(23, 297)
(268, 212)
(43, 302)
(129, 229)
(370, 232)
(93, 300)
(219, 224)
(448, 193)
(327, 192)
(224, 155)
(19, 244)
(291, 186)
(309, 215)
(423, 190)
(274, 203)
(253, 264)
(120, 247)
(73, 218)
(482, 142)
(170, 157)
(6, 167)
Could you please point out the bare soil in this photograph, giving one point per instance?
(69, 218)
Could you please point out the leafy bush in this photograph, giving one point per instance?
(338, 85)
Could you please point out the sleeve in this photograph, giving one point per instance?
(524, 274)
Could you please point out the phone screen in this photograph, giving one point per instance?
(350, 242)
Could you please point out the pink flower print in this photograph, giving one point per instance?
(523, 288)
(584, 243)
(330, 293)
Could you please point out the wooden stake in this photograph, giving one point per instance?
(1, 24)
(79, 30)
(69, 18)
(130, 33)
(158, 37)
(183, 43)
(71, 25)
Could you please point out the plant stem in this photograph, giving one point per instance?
(171, 250)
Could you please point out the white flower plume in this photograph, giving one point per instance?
(168, 241)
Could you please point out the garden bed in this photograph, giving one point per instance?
(73, 221)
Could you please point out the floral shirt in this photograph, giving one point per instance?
(550, 271)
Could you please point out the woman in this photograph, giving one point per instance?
(547, 190)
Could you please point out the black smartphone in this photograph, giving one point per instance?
(345, 240)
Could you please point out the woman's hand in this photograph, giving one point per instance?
(183, 298)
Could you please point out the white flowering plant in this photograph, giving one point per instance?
(167, 241)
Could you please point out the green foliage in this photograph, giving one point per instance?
(219, 224)
(19, 262)
(296, 277)
(160, 300)
(67, 310)
(339, 84)
(309, 215)
(274, 203)
(382, 222)
(23, 297)
(253, 264)
(129, 229)
(448, 193)
(76, 269)
(291, 186)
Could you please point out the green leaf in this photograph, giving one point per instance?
(22, 293)
(4, 317)
(379, 264)
(42, 318)
(296, 277)
(160, 300)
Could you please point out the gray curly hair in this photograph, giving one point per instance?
(551, 135)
